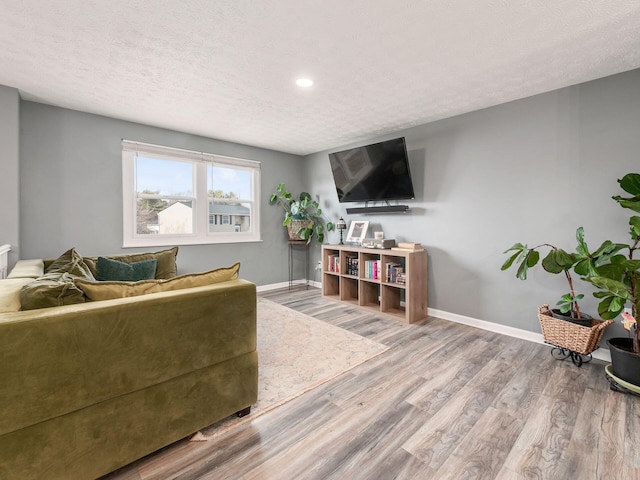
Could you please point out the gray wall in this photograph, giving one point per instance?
(9, 165)
(528, 171)
(71, 179)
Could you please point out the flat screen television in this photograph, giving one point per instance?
(376, 172)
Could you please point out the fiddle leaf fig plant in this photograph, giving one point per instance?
(582, 262)
(618, 279)
(304, 208)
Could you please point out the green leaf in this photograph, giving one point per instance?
(517, 247)
(604, 310)
(330, 226)
(510, 261)
(582, 248)
(522, 271)
(607, 250)
(614, 287)
(272, 199)
(557, 260)
(630, 203)
(550, 264)
(630, 183)
(617, 304)
(586, 268)
(532, 258)
(614, 271)
(634, 223)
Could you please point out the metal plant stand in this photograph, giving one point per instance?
(560, 353)
(294, 244)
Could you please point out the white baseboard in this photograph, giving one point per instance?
(600, 354)
(295, 283)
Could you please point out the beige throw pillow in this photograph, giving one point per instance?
(165, 267)
(96, 291)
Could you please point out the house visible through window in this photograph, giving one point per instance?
(178, 197)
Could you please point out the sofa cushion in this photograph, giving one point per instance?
(27, 269)
(10, 293)
(51, 290)
(96, 291)
(70, 262)
(165, 267)
(109, 269)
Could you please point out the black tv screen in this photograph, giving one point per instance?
(372, 173)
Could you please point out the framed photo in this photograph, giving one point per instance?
(357, 231)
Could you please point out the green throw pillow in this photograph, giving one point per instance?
(51, 290)
(125, 272)
(70, 262)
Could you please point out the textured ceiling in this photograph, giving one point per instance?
(226, 68)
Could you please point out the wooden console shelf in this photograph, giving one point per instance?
(372, 279)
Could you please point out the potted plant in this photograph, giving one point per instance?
(302, 215)
(582, 262)
(618, 286)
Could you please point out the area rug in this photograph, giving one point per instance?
(296, 353)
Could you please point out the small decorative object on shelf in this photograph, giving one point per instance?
(357, 231)
(341, 225)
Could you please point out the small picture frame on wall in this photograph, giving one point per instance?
(357, 231)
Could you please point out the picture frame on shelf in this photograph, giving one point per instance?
(357, 231)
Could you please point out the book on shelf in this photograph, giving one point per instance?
(372, 269)
(391, 272)
(333, 263)
(352, 266)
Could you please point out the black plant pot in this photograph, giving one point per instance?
(626, 364)
(585, 320)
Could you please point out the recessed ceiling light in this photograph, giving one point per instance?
(304, 82)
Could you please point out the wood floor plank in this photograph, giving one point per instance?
(482, 452)
(612, 432)
(440, 435)
(538, 449)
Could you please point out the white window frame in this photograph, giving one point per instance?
(200, 162)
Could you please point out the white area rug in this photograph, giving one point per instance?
(296, 353)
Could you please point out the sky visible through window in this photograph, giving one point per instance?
(176, 178)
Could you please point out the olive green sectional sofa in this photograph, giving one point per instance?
(89, 387)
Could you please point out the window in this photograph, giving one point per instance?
(179, 197)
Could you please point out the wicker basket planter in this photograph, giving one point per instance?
(570, 336)
(294, 227)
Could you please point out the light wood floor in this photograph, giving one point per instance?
(446, 401)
